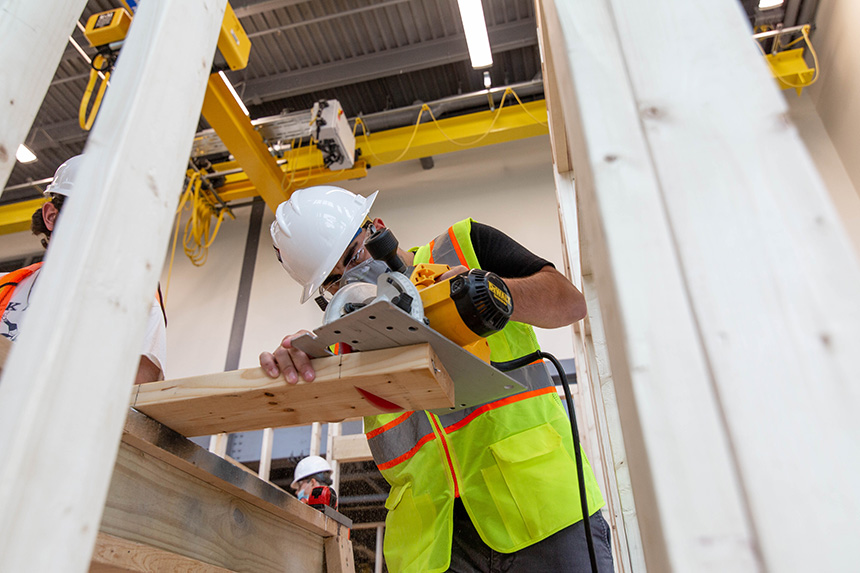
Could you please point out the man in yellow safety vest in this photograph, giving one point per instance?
(489, 488)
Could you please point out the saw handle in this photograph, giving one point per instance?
(382, 246)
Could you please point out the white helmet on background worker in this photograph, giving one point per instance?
(63, 177)
(313, 229)
(309, 466)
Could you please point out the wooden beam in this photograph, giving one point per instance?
(97, 283)
(410, 377)
(726, 282)
(555, 110)
(33, 36)
(338, 555)
(351, 448)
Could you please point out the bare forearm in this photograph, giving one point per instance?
(546, 299)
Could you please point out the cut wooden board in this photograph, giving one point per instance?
(411, 377)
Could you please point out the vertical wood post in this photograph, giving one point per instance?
(71, 370)
(265, 469)
(33, 36)
(728, 288)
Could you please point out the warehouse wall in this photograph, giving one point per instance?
(828, 112)
(837, 92)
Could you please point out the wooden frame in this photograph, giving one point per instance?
(172, 501)
(725, 282)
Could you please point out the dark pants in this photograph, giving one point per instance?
(565, 551)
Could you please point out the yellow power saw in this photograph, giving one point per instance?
(454, 315)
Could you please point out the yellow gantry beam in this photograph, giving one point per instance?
(239, 187)
(16, 217)
(235, 130)
(454, 134)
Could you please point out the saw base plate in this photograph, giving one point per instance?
(383, 325)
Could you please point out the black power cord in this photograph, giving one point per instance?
(580, 472)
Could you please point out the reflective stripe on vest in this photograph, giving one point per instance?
(402, 438)
(404, 435)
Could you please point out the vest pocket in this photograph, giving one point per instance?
(410, 530)
(533, 484)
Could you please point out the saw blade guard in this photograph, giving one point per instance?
(393, 287)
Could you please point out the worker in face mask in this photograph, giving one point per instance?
(311, 473)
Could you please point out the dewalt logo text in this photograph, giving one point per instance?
(500, 294)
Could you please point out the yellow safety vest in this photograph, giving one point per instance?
(510, 461)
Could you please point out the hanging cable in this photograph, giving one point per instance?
(101, 67)
(198, 234)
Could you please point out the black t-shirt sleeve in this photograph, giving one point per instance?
(500, 254)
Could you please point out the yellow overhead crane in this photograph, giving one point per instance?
(259, 173)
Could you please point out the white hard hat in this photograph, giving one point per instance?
(313, 229)
(309, 466)
(63, 177)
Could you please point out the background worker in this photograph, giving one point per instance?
(311, 472)
(17, 286)
(489, 488)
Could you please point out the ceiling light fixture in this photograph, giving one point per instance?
(768, 4)
(24, 155)
(472, 14)
(235, 95)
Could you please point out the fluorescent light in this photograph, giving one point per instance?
(24, 155)
(768, 4)
(233, 91)
(472, 14)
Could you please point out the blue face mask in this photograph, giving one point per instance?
(302, 495)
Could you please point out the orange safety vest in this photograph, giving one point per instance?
(13, 279)
(11, 282)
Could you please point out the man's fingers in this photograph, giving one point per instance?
(268, 364)
(452, 272)
(302, 363)
(299, 360)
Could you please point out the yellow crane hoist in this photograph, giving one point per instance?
(105, 31)
(789, 66)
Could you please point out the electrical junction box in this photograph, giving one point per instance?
(107, 27)
(333, 135)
